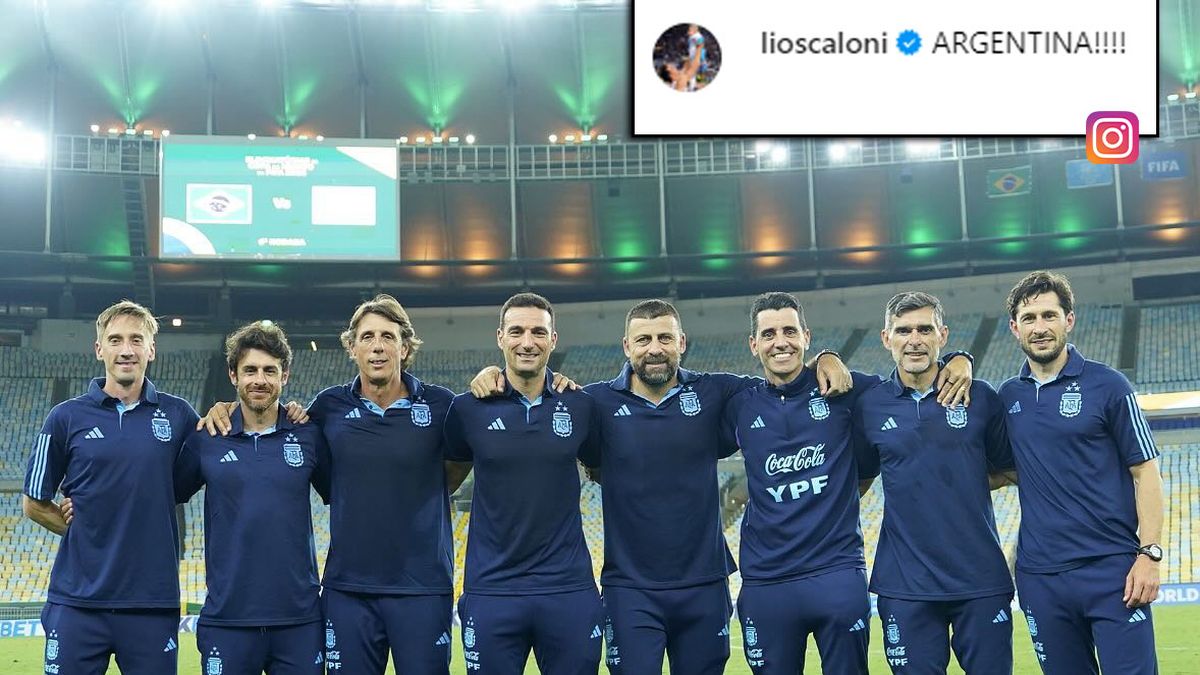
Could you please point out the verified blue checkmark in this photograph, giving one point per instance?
(908, 42)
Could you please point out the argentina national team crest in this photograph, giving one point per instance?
(213, 664)
(562, 420)
(818, 407)
(52, 646)
(292, 454)
(330, 636)
(957, 416)
(420, 415)
(469, 634)
(1071, 402)
(161, 426)
(893, 631)
(751, 635)
(689, 402)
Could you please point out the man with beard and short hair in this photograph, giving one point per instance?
(262, 612)
(1091, 495)
(528, 581)
(666, 562)
(803, 571)
(939, 567)
(114, 588)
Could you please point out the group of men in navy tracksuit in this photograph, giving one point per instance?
(385, 451)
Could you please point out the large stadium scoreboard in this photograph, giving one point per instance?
(279, 199)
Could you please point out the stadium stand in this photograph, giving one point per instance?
(453, 368)
(24, 402)
(1169, 356)
(592, 363)
(1180, 471)
(313, 371)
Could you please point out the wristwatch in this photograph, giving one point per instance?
(1151, 551)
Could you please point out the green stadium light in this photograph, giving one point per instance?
(629, 246)
(921, 232)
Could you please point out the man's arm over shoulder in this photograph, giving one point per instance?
(866, 455)
(322, 476)
(189, 477)
(456, 448)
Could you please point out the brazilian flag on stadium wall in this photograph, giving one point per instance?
(1010, 182)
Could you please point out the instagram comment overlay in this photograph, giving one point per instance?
(882, 68)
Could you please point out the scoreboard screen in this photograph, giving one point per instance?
(279, 199)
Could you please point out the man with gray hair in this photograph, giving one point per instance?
(939, 566)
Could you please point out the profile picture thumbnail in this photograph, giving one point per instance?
(687, 57)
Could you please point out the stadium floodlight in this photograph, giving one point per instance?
(252, 136)
(454, 139)
(513, 5)
(585, 137)
(403, 139)
(313, 344)
(177, 322)
(602, 138)
(470, 139)
(779, 154)
(148, 133)
(1190, 95)
(165, 132)
(112, 131)
(303, 137)
(553, 138)
(436, 139)
(21, 145)
(452, 5)
(762, 147)
(1173, 98)
(95, 128)
(922, 148)
(130, 131)
(420, 139)
(320, 138)
(570, 138)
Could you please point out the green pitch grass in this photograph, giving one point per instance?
(1178, 651)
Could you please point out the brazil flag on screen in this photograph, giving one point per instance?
(279, 199)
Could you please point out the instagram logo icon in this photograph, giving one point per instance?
(1112, 137)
